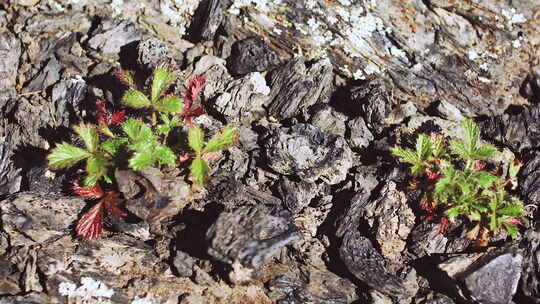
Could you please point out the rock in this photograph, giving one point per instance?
(10, 53)
(67, 95)
(252, 55)
(311, 285)
(496, 281)
(360, 134)
(296, 87)
(529, 179)
(437, 299)
(213, 15)
(31, 218)
(152, 52)
(10, 178)
(54, 22)
(519, 129)
(49, 75)
(243, 99)
(372, 100)
(111, 35)
(309, 153)
(530, 282)
(42, 181)
(329, 120)
(251, 235)
(183, 264)
(296, 195)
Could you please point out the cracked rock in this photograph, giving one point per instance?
(309, 153)
(111, 35)
(252, 55)
(49, 75)
(152, 52)
(251, 235)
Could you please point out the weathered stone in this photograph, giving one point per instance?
(111, 35)
(252, 55)
(372, 101)
(10, 178)
(152, 52)
(49, 75)
(329, 120)
(212, 17)
(530, 282)
(309, 153)
(530, 179)
(296, 87)
(296, 195)
(251, 235)
(360, 134)
(10, 53)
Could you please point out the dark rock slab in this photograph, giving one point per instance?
(111, 35)
(67, 95)
(183, 264)
(152, 52)
(212, 17)
(329, 120)
(496, 281)
(360, 136)
(47, 76)
(309, 153)
(297, 195)
(296, 87)
(311, 285)
(529, 179)
(10, 178)
(530, 280)
(373, 102)
(252, 55)
(251, 235)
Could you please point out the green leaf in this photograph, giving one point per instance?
(161, 81)
(453, 212)
(512, 210)
(105, 130)
(446, 180)
(406, 155)
(164, 155)
(472, 134)
(66, 155)
(196, 138)
(137, 130)
(135, 99)
(141, 160)
(423, 147)
(113, 145)
(493, 223)
(89, 136)
(90, 180)
(222, 140)
(484, 179)
(458, 147)
(514, 167)
(475, 216)
(512, 230)
(199, 170)
(484, 152)
(169, 105)
(96, 165)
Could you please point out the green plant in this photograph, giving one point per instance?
(138, 142)
(454, 183)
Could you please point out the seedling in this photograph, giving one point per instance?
(142, 141)
(454, 183)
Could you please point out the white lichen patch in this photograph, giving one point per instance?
(259, 83)
(116, 6)
(90, 291)
(261, 5)
(516, 43)
(513, 17)
(146, 300)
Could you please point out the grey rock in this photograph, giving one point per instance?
(519, 129)
(10, 177)
(436, 298)
(360, 134)
(372, 100)
(242, 100)
(111, 35)
(152, 52)
(530, 281)
(252, 55)
(296, 87)
(213, 15)
(10, 53)
(311, 285)
(296, 195)
(183, 264)
(47, 76)
(496, 281)
(67, 95)
(329, 120)
(42, 181)
(425, 239)
(251, 235)
(32, 218)
(530, 179)
(223, 46)
(69, 21)
(309, 153)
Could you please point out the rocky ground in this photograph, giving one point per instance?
(309, 206)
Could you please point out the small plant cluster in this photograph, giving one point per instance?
(149, 139)
(454, 183)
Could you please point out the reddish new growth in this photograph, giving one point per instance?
(103, 115)
(90, 225)
(195, 86)
(432, 175)
(443, 224)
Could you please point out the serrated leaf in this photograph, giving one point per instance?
(135, 99)
(484, 152)
(93, 192)
(484, 179)
(137, 130)
(141, 160)
(443, 183)
(199, 170)
(96, 167)
(406, 155)
(66, 155)
(222, 140)
(472, 134)
(164, 155)
(423, 147)
(475, 216)
(512, 230)
(113, 145)
(161, 81)
(458, 147)
(169, 105)
(196, 138)
(90, 180)
(90, 225)
(453, 212)
(105, 130)
(111, 201)
(89, 135)
(512, 210)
